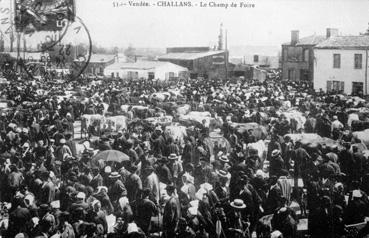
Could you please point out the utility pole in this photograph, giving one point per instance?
(226, 54)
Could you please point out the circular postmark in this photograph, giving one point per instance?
(62, 58)
(67, 59)
(36, 21)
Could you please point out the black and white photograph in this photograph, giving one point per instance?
(184, 119)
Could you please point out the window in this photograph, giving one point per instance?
(256, 58)
(335, 86)
(151, 75)
(357, 88)
(291, 74)
(336, 61)
(132, 75)
(306, 55)
(358, 61)
(294, 54)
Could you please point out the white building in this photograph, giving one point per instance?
(341, 65)
(145, 70)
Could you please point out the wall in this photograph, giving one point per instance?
(161, 72)
(203, 66)
(299, 62)
(324, 71)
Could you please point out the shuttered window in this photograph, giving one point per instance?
(335, 86)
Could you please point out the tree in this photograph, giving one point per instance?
(130, 52)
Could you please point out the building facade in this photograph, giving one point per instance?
(152, 70)
(297, 58)
(341, 65)
(98, 63)
(200, 61)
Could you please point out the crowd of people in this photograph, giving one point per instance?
(168, 188)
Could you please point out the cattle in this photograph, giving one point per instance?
(363, 136)
(297, 120)
(161, 96)
(352, 117)
(183, 110)
(305, 138)
(177, 132)
(94, 120)
(202, 118)
(163, 120)
(357, 125)
(214, 139)
(258, 131)
(116, 123)
(261, 147)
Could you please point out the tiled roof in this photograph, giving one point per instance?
(339, 42)
(189, 55)
(309, 40)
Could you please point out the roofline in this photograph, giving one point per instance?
(342, 47)
(159, 58)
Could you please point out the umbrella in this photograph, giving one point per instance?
(111, 155)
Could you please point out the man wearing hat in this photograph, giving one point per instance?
(157, 141)
(151, 181)
(163, 171)
(172, 213)
(117, 188)
(71, 143)
(104, 143)
(133, 183)
(146, 209)
(237, 223)
(19, 218)
(48, 188)
(276, 163)
(79, 202)
(97, 179)
(175, 166)
(62, 150)
(253, 160)
(222, 189)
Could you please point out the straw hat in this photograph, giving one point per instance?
(238, 204)
(223, 173)
(224, 159)
(276, 153)
(114, 175)
(172, 157)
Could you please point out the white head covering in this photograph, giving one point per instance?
(132, 227)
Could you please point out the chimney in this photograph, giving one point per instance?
(294, 37)
(332, 32)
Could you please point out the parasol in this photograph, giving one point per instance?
(111, 155)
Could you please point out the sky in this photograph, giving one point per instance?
(269, 23)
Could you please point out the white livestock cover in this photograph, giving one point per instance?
(352, 117)
(116, 123)
(177, 132)
(298, 116)
(183, 110)
(89, 119)
(199, 114)
(260, 146)
(363, 136)
(159, 120)
(305, 138)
